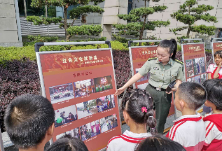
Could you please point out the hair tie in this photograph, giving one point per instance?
(144, 109)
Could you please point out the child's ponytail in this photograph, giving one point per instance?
(139, 105)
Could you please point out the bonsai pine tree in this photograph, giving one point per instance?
(138, 20)
(75, 13)
(189, 14)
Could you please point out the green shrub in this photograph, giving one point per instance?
(42, 38)
(16, 53)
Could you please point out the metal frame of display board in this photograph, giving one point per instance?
(182, 44)
(212, 47)
(1, 142)
(38, 45)
(130, 52)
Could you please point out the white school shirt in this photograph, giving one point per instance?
(189, 131)
(213, 125)
(128, 141)
(212, 67)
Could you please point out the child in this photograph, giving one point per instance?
(29, 121)
(213, 122)
(68, 143)
(189, 130)
(138, 114)
(214, 70)
(159, 143)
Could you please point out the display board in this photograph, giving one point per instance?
(217, 45)
(194, 62)
(80, 85)
(138, 56)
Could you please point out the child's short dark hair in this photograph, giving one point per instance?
(193, 94)
(214, 92)
(68, 143)
(139, 105)
(219, 53)
(159, 143)
(27, 120)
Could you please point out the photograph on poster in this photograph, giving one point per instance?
(189, 68)
(190, 80)
(89, 130)
(87, 108)
(197, 79)
(202, 65)
(103, 83)
(95, 127)
(108, 123)
(203, 77)
(199, 65)
(65, 115)
(142, 86)
(105, 103)
(84, 88)
(145, 77)
(61, 93)
(73, 133)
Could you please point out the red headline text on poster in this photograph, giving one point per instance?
(139, 57)
(80, 85)
(194, 62)
(217, 46)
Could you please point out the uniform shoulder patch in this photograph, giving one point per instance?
(152, 58)
(178, 61)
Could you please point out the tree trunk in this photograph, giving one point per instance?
(65, 22)
(25, 9)
(46, 11)
(189, 27)
(142, 30)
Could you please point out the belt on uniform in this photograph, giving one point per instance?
(158, 89)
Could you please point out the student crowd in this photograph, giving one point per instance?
(29, 121)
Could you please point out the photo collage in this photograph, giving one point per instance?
(195, 70)
(93, 128)
(77, 89)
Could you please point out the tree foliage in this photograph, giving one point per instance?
(137, 21)
(189, 14)
(75, 13)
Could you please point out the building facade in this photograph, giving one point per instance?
(10, 29)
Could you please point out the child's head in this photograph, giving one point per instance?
(98, 102)
(166, 49)
(214, 93)
(29, 121)
(137, 106)
(218, 57)
(68, 143)
(159, 143)
(190, 95)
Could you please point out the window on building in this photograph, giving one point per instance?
(130, 5)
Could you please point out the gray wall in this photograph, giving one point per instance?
(9, 34)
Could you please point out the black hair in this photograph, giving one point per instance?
(193, 94)
(159, 143)
(68, 143)
(214, 92)
(219, 53)
(27, 120)
(171, 45)
(98, 100)
(134, 102)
